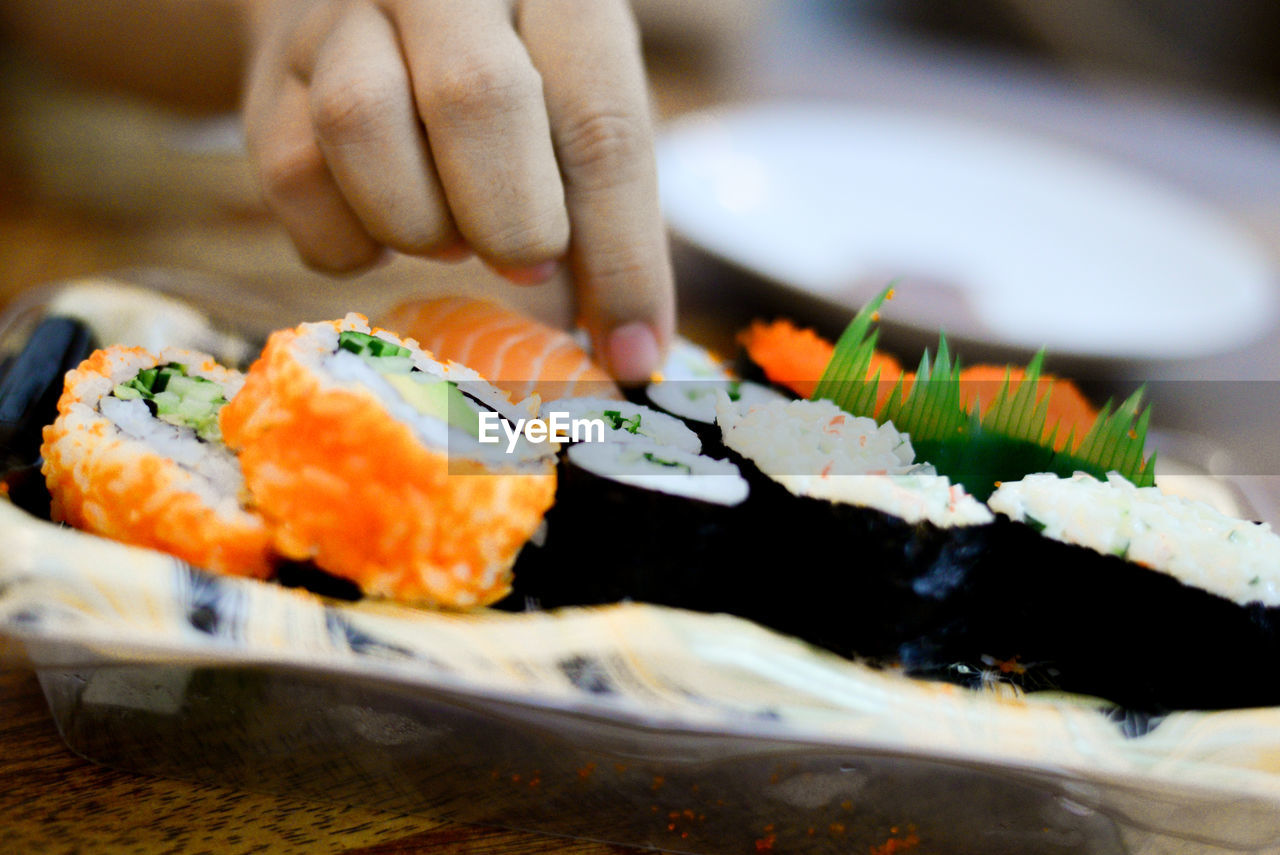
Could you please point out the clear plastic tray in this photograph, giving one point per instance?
(630, 724)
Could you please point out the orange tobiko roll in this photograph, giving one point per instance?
(362, 451)
(135, 455)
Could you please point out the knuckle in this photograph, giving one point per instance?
(477, 86)
(604, 147)
(288, 171)
(527, 240)
(350, 110)
(634, 275)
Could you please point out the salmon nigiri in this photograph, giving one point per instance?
(513, 351)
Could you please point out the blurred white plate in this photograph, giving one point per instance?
(995, 236)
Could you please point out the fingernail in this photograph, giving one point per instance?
(535, 275)
(633, 352)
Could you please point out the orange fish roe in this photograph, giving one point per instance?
(107, 483)
(796, 358)
(1068, 409)
(345, 484)
(512, 351)
(897, 844)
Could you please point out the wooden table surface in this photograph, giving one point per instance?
(53, 801)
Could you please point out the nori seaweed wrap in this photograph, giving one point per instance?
(1147, 600)
(852, 546)
(634, 520)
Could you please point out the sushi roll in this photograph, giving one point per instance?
(686, 387)
(367, 456)
(516, 353)
(1148, 600)
(135, 454)
(636, 520)
(640, 471)
(887, 542)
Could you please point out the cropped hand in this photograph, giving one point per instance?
(517, 130)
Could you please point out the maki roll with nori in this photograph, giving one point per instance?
(1152, 601)
(136, 455)
(366, 456)
(636, 520)
(875, 544)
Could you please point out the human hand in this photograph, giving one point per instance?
(517, 130)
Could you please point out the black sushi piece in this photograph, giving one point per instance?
(1054, 614)
(634, 521)
(858, 548)
(31, 382)
(851, 578)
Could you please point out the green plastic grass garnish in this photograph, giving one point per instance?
(977, 449)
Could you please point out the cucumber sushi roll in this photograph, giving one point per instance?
(1148, 600)
(636, 520)
(887, 542)
(366, 456)
(136, 455)
(687, 385)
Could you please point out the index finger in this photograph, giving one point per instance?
(588, 52)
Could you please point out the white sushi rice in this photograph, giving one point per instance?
(664, 469)
(1186, 539)
(211, 461)
(688, 361)
(913, 498)
(813, 438)
(817, 450)
(691, 376)
(696, 399)
(642, 424)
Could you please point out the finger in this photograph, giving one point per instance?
(589, 56)
(481, 101)
(367, 126)
(296, 184)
